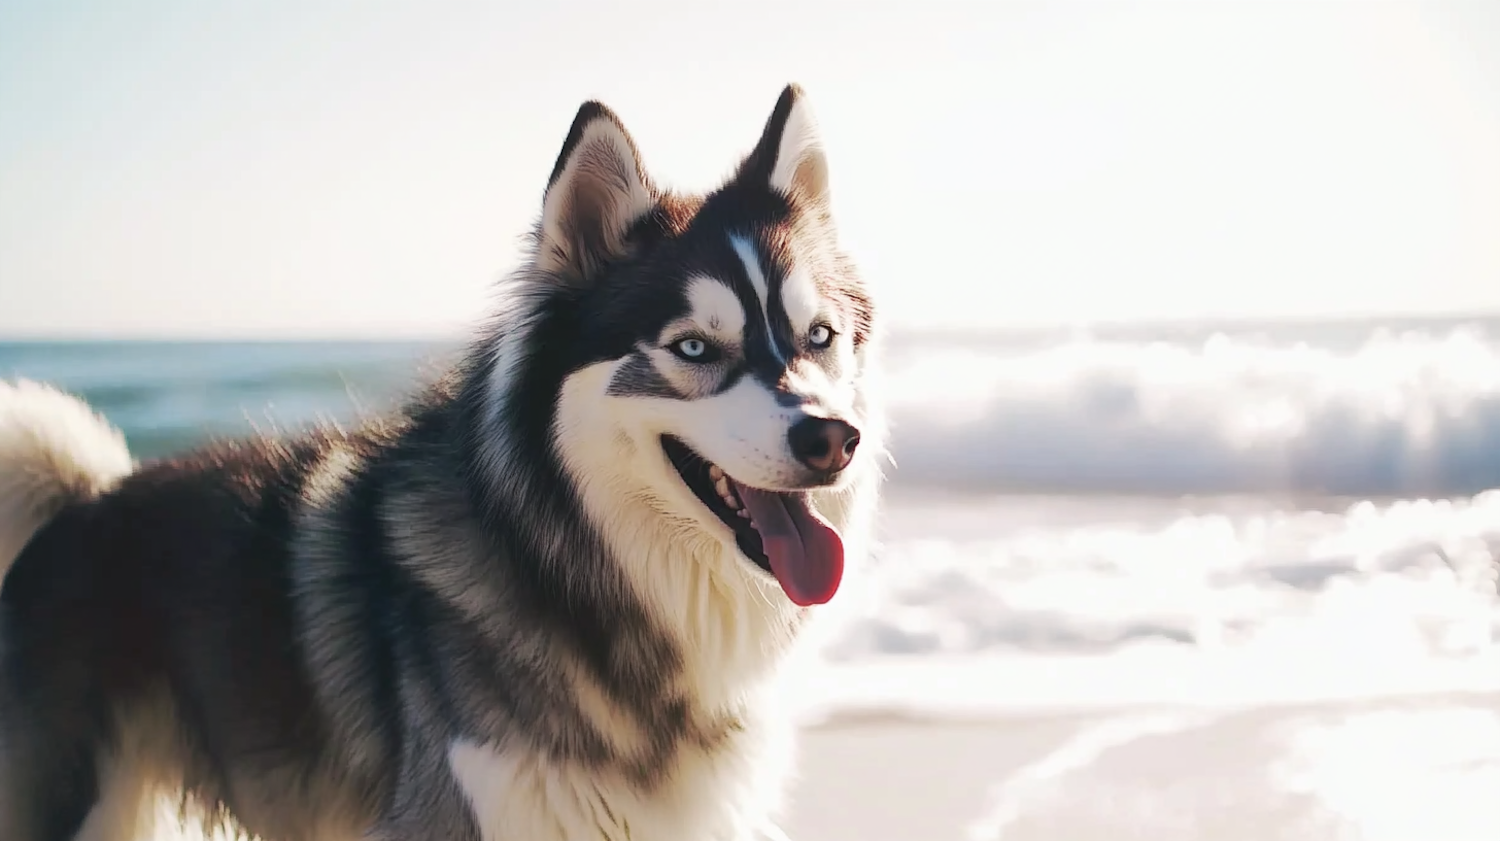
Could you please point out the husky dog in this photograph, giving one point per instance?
(546, 601)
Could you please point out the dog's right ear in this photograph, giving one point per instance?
(598, 188)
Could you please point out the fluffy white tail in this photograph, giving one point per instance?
(53, 450)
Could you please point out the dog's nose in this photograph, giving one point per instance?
(824, 444)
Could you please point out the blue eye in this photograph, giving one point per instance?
(821, 336)
(694, 349)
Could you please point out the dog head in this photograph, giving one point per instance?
(714, 348)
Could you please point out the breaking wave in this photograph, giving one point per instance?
(1411, 412)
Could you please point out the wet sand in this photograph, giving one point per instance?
(1412, 769)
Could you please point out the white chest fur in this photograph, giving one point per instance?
(729, 793)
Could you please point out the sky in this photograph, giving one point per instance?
(278, 168)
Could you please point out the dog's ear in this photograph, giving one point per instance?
(598, 188)
(789, 156)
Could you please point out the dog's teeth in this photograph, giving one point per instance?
(721, 485)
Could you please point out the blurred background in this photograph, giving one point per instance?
(1195, 314)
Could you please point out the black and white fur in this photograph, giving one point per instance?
(502, 614)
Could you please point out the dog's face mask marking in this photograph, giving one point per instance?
(752, 375)
(728, 333)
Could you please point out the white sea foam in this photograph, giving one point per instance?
(1243, 604)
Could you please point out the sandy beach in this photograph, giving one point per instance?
(1406, 769)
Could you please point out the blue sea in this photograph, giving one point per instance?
(1195, 517)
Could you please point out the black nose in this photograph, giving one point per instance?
(824, 444)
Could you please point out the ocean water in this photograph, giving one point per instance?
(1230, 514)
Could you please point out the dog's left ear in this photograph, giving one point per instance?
(789, 156)
(598, 188)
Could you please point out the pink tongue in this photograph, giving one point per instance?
(806, 553)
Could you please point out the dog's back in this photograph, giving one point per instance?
(147, 624)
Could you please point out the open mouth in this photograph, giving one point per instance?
(779, 531)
